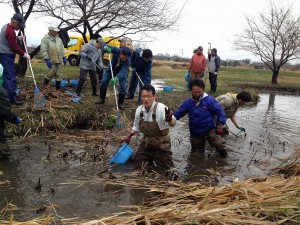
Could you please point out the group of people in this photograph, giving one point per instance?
(207, 115)
(198, 65)
(207, 121)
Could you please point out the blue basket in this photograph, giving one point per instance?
(74, 83)
(122, 155)
(168, 88)
(63, 83)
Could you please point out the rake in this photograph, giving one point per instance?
(39, 99)
(118, 123)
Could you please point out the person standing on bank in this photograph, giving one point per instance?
(8, 50)
(197, 64)
(91, 56)
(120, 66)
(213, 69)
(230, 103)
(202, 110)
(153, 120)
(53, 52)
(141, 64)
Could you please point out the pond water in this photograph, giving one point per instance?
(273, 130)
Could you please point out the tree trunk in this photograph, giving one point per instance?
(35, 51)
(275, 76)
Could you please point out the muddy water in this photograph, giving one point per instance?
(273, 130)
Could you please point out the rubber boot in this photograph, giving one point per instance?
(102, 96)
(121, 101)
(46, 82)
(94, 90)
(57, 85)
(78, 91)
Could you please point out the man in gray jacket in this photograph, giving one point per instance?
(53, 52)
(213, 69)
(91, 58)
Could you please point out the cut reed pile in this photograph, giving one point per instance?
(273, 200)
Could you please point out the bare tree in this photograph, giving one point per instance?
(273, 35)
(118, 17)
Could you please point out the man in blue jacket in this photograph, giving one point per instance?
(202, 110)
(141, 63)
(120, 66)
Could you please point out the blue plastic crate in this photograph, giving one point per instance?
(63, 83)
(168, 88)
(122, 155)
(74, 83)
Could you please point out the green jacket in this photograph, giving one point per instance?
(52, 48)
(229, 102)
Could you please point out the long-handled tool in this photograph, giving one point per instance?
(118, 123)
(39, 99)
(209, 49)
(139, 78)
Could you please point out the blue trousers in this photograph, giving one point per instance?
(9, 75)
(122, 82)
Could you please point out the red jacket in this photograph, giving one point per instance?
(198, 63)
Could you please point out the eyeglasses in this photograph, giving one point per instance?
(146, 96)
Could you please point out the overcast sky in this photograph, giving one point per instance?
(214, 21)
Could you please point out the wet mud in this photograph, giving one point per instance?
(68, 168)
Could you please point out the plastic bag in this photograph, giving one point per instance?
(187, 76)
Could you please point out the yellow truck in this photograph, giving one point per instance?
(77, 42)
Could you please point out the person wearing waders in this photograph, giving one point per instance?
(120, 66)
(141, 63)
(213, 69)
(153, 119)
(230, 103)
(53, 52)
(91, 57)
(8, 50)
(202, 110)
(5, 115)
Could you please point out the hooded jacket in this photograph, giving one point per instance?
(95, 53)
(201, 114)
(52, 48)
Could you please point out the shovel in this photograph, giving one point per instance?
(118, 122)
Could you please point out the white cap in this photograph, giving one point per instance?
(54, 28)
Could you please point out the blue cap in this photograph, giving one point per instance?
(126, 51)
(20, 19)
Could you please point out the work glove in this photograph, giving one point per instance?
(18, 120)
(26, 56)
(48, 62)
(89, 57)
(21, 38)
(219, 129)
(242, 129)
(127, 139)
(114, 80)
(168, 115)
(64, 61)
(215, 73)
(107, 49)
